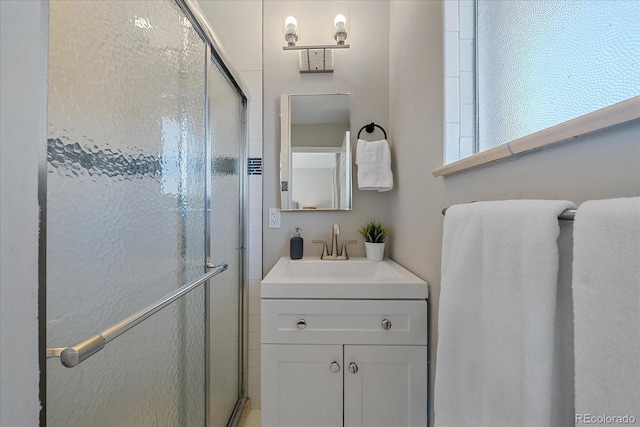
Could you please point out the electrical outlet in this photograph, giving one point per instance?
(274, 218)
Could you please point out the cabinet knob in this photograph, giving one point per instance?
(335, 367)
(386, 324)
(353, 368)
(301, 324)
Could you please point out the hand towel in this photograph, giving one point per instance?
(496, 314)
(374, 165)
(606, 293)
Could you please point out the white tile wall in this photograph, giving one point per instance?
(452, 151)
(452, 56)
(243, 44)
(452, 95)
(459, 79)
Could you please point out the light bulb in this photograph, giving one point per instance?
(340, 28)
(291, 26)
(291, 23)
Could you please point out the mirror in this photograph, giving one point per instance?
(315, 152)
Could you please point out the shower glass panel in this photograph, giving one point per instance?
(126, 192)
(226, 118)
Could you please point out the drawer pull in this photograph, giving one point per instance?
(335, 367)
(301, 324)
(353, 368)
(386, 324)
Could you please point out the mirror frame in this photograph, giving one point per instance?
(286, 154)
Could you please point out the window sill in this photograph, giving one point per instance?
(616, 114)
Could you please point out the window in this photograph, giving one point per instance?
(532, 65)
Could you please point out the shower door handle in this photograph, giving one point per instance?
(72, 356)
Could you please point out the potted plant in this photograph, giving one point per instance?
(374, 234)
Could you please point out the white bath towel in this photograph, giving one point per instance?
(606, 293)
(496, 316)
(374, 165)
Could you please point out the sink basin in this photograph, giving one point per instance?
(354, 269)
(356, 278)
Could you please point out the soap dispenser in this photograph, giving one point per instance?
(295, 248)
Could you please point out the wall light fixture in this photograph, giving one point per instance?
(290, 14)
(340, 12)
(316, 58)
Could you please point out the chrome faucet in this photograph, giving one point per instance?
(334, 240)
(336, 253)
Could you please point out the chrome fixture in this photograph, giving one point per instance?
(324, 253)
(291, 32)
(340, 12)
(340, 24)
(72, 356)
(291, 35)
(336, 253)
(316, 58)
(334, 240)
(353, 368)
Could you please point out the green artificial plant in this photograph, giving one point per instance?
(374, 232)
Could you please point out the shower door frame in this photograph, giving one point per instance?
(213, 50)
(218, 60)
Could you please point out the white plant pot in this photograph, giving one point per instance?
(374, 251)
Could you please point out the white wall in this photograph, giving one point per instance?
(22, 142)
(603, 165)
(363, 71)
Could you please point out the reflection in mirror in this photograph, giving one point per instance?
(315, 155)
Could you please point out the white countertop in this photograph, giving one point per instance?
(356, 278)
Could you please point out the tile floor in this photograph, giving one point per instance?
(253, 420)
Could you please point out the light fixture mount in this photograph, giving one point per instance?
(316, 59)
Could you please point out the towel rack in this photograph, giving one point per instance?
(370, 128)
(567, 214)
(72, 356)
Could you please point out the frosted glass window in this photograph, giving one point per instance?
(541, 63)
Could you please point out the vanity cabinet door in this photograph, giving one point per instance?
(385, 386)
(302, 385)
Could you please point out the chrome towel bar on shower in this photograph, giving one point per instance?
(567, 214)
(72, 356)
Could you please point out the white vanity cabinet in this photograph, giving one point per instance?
(344, 362)
(300, 387)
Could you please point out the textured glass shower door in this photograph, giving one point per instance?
(226, 120)
(126, 188)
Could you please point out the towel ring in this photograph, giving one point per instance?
(370, 128)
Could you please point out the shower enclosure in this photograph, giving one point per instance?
(144, 194)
